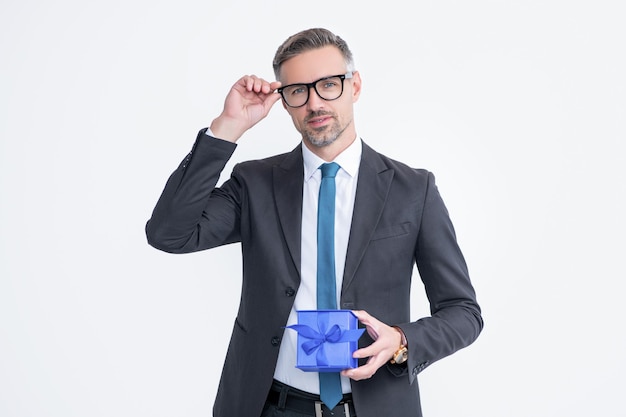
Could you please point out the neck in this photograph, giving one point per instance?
(329, 152)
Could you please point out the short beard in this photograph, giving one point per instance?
(318, 138)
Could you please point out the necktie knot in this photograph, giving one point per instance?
(329, 170)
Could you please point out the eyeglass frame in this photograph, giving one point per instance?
(348, 75)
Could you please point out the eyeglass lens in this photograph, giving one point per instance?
(327, 88)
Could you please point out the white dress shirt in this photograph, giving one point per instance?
(306, 298)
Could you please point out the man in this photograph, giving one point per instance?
(387, 218)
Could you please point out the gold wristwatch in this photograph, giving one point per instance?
(402, 354)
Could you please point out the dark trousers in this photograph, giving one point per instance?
(285, 401)
(273, 411)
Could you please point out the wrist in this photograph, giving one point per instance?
(403, 341)
(402, 353)
(226, 129)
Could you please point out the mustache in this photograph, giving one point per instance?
(318, 113)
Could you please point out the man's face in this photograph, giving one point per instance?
(322, 122)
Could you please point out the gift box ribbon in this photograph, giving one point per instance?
(320, 336)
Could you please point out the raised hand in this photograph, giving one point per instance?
(248, 102)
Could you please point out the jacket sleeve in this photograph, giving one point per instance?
(456, 319)
(192, 214)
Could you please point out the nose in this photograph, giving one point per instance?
(315, 101)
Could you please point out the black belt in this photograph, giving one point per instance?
(306, 403)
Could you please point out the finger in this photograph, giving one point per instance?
(383, 350)
(255, 84)
(251, 82)
(272, 99)
(248, 82)
(360, 314)
(258, 84)
(269, 87)
(364, 317)
(366, 352)
(362, 372)
(262, 86)
(371, 324)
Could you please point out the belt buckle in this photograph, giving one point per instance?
(319, 412)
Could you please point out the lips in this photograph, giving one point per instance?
(318, 120)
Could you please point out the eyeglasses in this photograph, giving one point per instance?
(328, 88)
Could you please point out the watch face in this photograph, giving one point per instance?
(401, 355)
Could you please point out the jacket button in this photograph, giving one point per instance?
(290, 292)
(275, 341)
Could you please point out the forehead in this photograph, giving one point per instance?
(313, 65)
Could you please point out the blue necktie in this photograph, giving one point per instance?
(330, 382)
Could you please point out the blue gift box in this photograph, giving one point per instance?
(326, 340)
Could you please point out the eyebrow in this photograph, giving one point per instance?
(334, 74)
(346, 76)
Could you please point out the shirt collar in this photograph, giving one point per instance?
(349, 160)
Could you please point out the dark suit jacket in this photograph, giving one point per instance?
(399, 219)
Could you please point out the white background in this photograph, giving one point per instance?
(518, 107)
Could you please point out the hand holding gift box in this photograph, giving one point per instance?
(326, 340)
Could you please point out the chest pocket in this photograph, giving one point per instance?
(391, 231)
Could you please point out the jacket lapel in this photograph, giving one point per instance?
(371, 195)
(288, 180)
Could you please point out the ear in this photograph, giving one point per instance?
(356, 86)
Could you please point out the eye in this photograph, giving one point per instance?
(297, 90)
(330, 84)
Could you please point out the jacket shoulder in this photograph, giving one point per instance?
(402, 170)
(257, 166)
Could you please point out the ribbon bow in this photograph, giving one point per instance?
(320, 336)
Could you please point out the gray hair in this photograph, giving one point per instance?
(308, 40)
